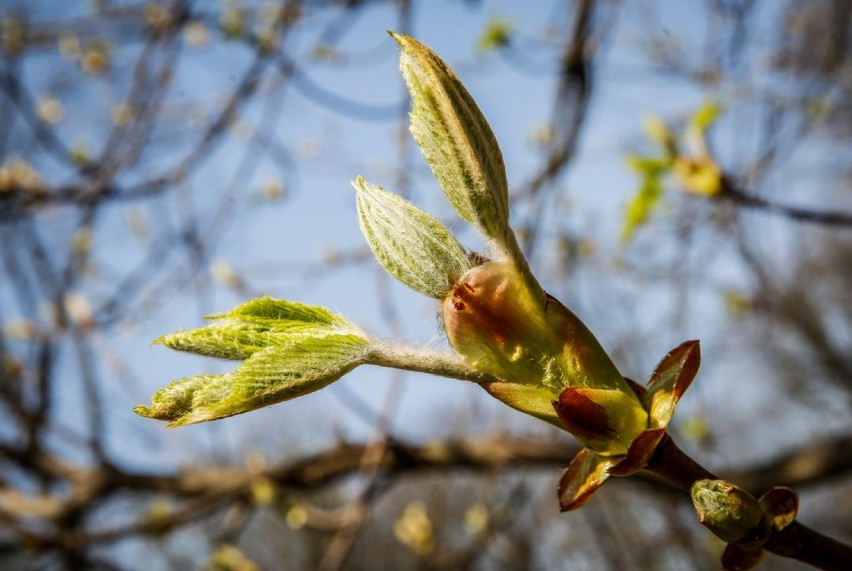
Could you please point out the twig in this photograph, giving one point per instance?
(795, 541)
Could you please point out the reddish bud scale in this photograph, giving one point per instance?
(583, 417)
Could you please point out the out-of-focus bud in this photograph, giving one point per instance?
(698, 176)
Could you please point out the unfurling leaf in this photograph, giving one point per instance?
(272, 375)
(412, 246)
(290, 349)
(255, 325)
(456, 140)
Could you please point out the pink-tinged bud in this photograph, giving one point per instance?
(495, 321)
(495, 325)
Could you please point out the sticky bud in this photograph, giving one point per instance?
(730, 512)
(604, 420)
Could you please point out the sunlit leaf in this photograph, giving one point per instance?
(272, 375)
(706, 115)
(455, 139)
(411, 245)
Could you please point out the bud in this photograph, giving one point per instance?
(730, 512)
(496, 326)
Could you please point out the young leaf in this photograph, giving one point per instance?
(255, 325)
(280, 313)
(235, 341)
(412, 246)
(642, 205)
(456, 140)
(275, 374)
(706, 115)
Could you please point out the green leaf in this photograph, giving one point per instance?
(275, 374)
(649, 166)
(235, 341)
(412, 246)
(280, 313)
(706, 115)
(255, 325)
(658, 131)
(456, 140)
(642, 205)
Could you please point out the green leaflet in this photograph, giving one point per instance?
(456, 140)
(412, 246)
(224, 341)
(255, 325)
(272, 375)
(280, 312)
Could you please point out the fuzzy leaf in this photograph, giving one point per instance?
(255, 325)
(273, 375)
(224, 341)
(456, 140)
(279, 313)
(412, 246)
